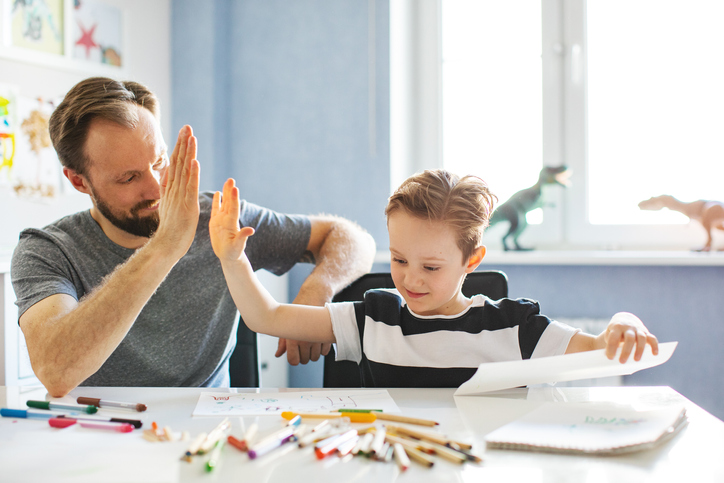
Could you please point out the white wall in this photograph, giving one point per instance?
(147, 60)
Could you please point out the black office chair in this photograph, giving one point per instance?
(492, 283)
(244, 361)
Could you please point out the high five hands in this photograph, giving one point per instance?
(227, 238)
(179, 206)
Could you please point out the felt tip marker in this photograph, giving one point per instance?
(27, 414)
(102, 403)
(65, 422)
(30, 414)
(272, 441)
(63, 407)
(329, 445)
(214, 456)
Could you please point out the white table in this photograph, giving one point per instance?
(29, 447)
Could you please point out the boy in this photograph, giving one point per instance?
(425, 333)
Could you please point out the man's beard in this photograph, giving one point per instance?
(134, 224)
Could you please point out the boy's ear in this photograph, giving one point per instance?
(475, 259)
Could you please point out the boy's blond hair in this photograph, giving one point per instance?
(465, 204)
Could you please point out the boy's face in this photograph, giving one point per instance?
(427, 266)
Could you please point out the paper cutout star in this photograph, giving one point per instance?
(86, 38)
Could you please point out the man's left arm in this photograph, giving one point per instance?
(342, 252)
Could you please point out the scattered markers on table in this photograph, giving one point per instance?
(331, 434)
(335, 435)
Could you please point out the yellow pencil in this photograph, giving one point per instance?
(405, 419)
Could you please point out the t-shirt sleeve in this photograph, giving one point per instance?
(39, 269)
(538, 335)
(280, 240)
(554, 340)
(346, 331)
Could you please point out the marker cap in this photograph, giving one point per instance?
(13, 413)
(61, 422)
(39, 404)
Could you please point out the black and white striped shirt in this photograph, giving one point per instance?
(398, 348)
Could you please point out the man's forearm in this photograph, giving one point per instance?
(346, 254)
(70, 342)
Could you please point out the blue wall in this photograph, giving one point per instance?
(279, 96)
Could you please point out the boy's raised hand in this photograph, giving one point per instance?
(227, 239)
(627, 330)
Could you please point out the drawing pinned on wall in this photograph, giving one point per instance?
(8, 126)
(97, 33)
(37, 24)
(39, 175)
(29, 166)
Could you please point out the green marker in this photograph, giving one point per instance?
(66, 407)
(214, 456)
(359, 410)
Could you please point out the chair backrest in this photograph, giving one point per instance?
(244, 361)
(491, 283)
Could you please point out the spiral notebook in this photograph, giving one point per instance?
(589, 429)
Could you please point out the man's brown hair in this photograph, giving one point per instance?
(465, 204)
(96, 97)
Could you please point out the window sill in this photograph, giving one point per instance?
(594, 257)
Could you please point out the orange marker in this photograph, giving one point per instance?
(353, 417)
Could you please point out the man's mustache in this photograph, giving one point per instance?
(143, 205)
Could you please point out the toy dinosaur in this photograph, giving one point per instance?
(516, 207)
(710, 214)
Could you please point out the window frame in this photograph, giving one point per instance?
(416, 125)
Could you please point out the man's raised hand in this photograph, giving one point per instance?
(179, 209)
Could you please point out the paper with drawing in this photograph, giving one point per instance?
(589, 428)
(253, 404)
(494, 376)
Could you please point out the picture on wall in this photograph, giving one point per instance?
(36, 24)
(30, 167)
(97, 33)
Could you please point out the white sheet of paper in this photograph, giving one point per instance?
(253, 404)
(494, 376)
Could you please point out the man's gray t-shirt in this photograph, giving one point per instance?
(187, 330)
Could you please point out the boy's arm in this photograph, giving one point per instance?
(257, 307)
(625, 330)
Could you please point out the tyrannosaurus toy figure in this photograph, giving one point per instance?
(516, 207)
(710, 214)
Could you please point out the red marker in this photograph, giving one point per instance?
(330, 445)
(65, 422)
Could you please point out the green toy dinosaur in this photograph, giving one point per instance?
(516, 207)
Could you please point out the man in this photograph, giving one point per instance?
(130, 292)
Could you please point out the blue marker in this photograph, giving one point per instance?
(27, 414)
(30, 414)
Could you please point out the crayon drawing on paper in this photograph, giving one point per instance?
(37, 25)
(252, 404)
(97, 33)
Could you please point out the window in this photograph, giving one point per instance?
(628, 93)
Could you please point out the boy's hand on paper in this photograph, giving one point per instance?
(227, 239)
(625, 330)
